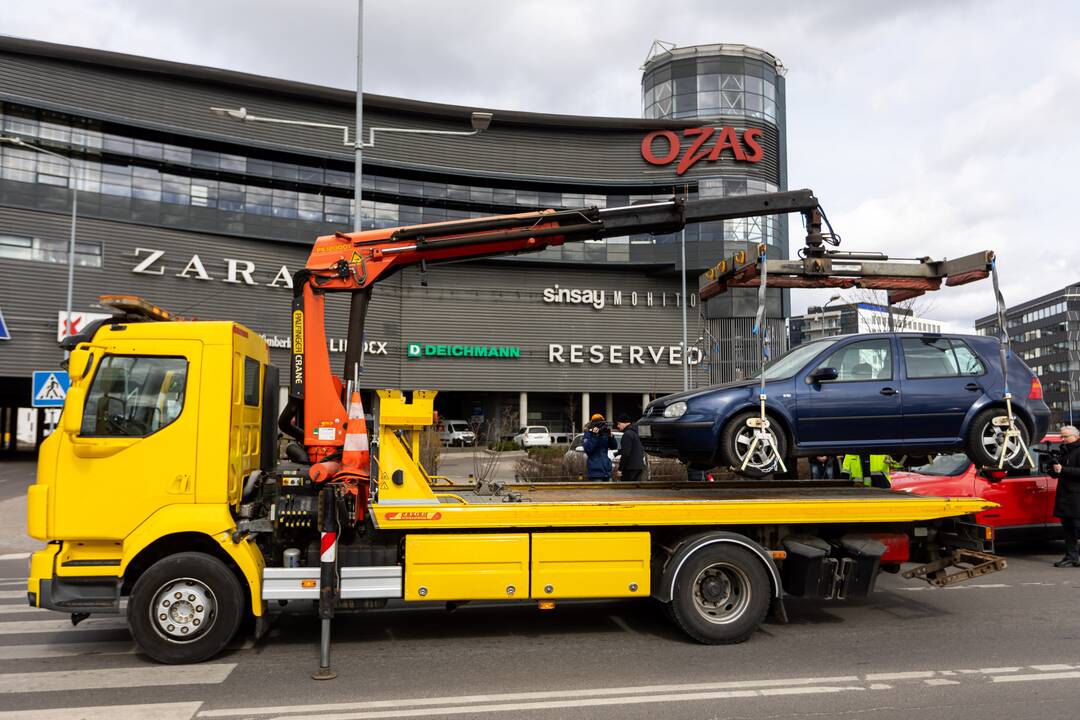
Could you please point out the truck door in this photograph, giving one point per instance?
(861, 405)
(943, 379)
(135, 451)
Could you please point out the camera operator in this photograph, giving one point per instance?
(1067, 498)
(598, 441)
(631, 451)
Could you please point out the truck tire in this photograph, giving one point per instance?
(735, 440)
(185, 608)
(721, 595)
(984, 440)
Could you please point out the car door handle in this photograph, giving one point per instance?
(888, 391)
(973, 387)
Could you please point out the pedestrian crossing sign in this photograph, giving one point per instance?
(50, 388)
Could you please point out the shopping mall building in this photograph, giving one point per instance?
(208, 217)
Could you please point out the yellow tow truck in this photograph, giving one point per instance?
(163, 483)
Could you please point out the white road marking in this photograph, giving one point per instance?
(150, 711)
(880, 686)
(1040, 676)
(912, 675)
(19, 627)
(622, 624)
(566, 704)
(124, 677)
(976, 587)
(71, 649)
(12, 594)
(13, 583)
(748, 685)
(20, 608)
(995, 671)
(79, 649)
(1058, 666)
(941, 681)
(15, 556)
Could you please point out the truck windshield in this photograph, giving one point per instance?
(945, 465)
(791, 362)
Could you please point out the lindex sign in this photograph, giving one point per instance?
(663, 147)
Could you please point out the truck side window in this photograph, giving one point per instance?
(252, 386)
(134, 396)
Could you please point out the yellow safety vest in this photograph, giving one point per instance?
(878, 464)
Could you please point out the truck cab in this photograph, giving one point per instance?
(162, 424)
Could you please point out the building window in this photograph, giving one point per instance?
(17, 247)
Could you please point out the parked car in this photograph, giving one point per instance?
(1025, 495)
(892, 393)
(454, 433)
(533, 436)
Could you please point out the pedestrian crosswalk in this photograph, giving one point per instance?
(52, 669)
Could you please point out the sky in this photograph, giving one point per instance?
(925, 127)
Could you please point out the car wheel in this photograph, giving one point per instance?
(185, 608)
(985, 441)
(721, 595)
(737, 439)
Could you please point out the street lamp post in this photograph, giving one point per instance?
(358, 303)
(19, 142)
(821, 312)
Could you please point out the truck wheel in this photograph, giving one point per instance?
(735, 442)
(185, 608)
(721, 595)
(985, 440)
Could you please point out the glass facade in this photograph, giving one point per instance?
(119, 167)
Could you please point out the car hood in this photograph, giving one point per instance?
(698, 392)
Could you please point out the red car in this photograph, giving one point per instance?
(1026, 497)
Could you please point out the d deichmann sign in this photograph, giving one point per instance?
(416, 350)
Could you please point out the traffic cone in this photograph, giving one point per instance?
(355, 454)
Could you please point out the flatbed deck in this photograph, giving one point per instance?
(652, 504)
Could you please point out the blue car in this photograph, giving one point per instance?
(890, 393)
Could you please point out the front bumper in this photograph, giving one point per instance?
(689, 440)
(94, 594)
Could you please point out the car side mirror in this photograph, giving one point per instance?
(822, 374)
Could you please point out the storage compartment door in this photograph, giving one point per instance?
(590, 565)
(466, 567)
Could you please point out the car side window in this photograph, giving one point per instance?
(863, 360)
(134, 396)
(938, 358)
(966, 360)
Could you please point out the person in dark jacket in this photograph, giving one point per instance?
(598, 441)
(631, 451)
(1067, 497)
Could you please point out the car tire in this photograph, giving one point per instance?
(983, 441)
(203, 620)
(736, 439)
(721, 595)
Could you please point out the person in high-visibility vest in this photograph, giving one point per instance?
(878, 474)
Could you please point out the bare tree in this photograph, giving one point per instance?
(919, 307)
(486, 461)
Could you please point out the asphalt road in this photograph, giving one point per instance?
(1004, 646)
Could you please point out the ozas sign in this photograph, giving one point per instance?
(663, 147)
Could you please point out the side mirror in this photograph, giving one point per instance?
(71, 417)
(822, 374)
(79, 363)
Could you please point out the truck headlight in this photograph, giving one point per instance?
(675, 410)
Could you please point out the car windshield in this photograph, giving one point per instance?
(791, 362)
(945, 465)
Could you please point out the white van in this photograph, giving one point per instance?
(455, 433)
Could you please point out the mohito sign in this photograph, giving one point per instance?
(663, 147)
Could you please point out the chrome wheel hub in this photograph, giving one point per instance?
(764, 456)
(721, 593)
(183, 610)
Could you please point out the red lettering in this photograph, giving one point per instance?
(673, 147)
(728, 140)
(750, 138)
(692, 155)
